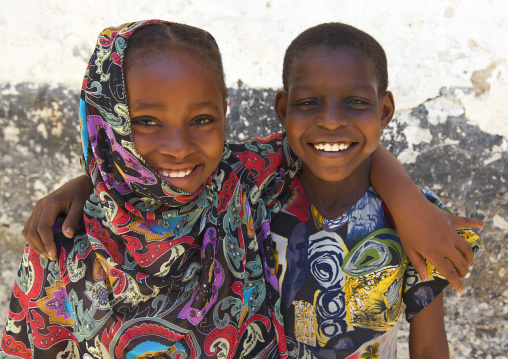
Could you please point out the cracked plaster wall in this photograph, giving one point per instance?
(448, 66)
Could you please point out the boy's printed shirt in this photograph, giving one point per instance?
(343, 282)
(153, 272)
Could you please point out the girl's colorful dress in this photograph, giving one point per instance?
(153, 272)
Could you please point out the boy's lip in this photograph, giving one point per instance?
(331, 146)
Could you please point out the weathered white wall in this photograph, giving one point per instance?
(430, 44)
(448, 66)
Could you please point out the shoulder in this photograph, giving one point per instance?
(271, 143)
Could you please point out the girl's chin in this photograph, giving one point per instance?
(189, 183)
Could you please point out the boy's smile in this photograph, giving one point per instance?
(177, 117)
(333, 114)
(332, 146)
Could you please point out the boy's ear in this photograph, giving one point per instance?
(281, 107)
(387, 106)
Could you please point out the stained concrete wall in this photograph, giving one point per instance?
(447, 64)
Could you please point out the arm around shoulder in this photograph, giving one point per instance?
(69, 198)
(427, 336)
(425, 230)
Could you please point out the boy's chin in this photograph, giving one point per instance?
(354, 174)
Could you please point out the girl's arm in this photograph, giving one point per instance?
(426, 231)
(70, 199)
(427, 335)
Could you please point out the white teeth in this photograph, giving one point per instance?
(331, 147)
(176, 173)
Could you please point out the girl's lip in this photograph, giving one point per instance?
(173, 174)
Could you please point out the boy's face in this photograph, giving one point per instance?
(177, 116)
(333, 113)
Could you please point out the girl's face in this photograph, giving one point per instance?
(177, 116)
(333, 113)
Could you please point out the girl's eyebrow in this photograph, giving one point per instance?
(159, 106)
(146, 106)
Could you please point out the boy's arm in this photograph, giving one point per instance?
(427, 335)
(425, 230)
(69, 198)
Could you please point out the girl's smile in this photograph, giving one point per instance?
(177, 116)
(175, 173)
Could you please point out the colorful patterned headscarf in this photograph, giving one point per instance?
(153, 272)
(132, 196)
(108, 150)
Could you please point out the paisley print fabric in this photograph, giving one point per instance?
(344, 281)
(153, 272)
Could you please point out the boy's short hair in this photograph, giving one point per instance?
(336, 35)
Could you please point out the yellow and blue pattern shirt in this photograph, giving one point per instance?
(343, 282)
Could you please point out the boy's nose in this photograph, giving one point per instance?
(176, 143)
(332, 118)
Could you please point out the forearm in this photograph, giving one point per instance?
(393, 184)
(427, 335)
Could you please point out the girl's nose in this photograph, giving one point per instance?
(176, 143)
(332, 118)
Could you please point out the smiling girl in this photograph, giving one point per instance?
(167, 261)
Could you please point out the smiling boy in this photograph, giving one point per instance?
(342, 271)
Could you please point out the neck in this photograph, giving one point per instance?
(332, 199)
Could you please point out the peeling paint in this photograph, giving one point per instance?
(441, 108)
(480, 79)
(500, 222)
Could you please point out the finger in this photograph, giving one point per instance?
(419, 264)
(73, 218)
(45, 229)
(25, 233)
(466, 222)
(458, 261)
(448, 271)
(32, 235)
(465, 249)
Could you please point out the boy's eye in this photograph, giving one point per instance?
(203, 120)
(356, 101)
(306, 103)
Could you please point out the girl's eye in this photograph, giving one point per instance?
(144, 121)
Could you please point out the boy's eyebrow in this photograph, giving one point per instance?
(348, 86)
(204, 104)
